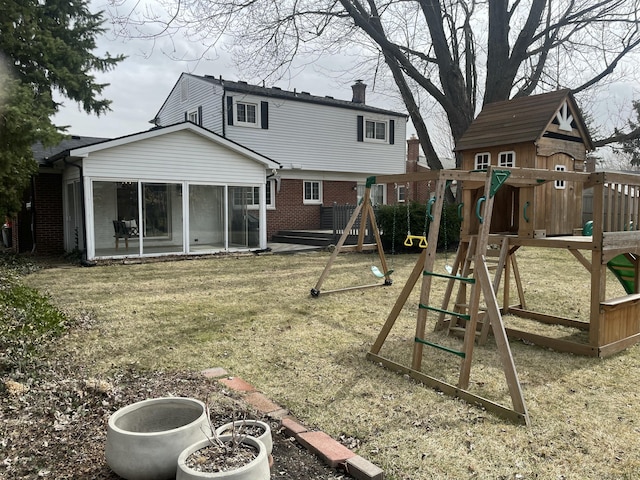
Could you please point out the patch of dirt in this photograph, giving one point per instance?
(53, 422)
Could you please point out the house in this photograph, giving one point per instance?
(543, 131)
(172, 190)
(327, 147)
(224, 167)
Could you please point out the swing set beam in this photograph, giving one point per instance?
(365, 211)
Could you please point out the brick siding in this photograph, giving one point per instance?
(292, 214)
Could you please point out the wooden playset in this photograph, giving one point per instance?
(522, 182)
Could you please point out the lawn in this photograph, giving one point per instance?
(253, 315)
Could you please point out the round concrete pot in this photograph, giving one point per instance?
(144, 439)
(265, 437)
(257, 469)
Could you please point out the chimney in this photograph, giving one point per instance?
(413, 153)
(359, 90)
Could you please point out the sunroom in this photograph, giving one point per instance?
(175, 190)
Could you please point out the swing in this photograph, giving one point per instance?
(448, 268)
(375, 270)
(421, 239)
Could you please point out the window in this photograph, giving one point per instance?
(246, 113)
(376, 193)
(401, 192)
(193, 117)
(312, 192)
(376, 130)
(483, 160)
(253, 196)
(560, 184)
(507, 159)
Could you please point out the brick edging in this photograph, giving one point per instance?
(332, 452)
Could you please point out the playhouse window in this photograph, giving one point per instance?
(560, 184)
(507, 159)
(312, 192)
(483, 160)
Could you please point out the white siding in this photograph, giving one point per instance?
(200, 93)
(177, 156)
(320, 138)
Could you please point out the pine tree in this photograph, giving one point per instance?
(45, 45)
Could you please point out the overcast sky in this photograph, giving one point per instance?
(140, 84)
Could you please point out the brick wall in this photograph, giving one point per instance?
(49, 216)
(292, 214)
(46, 203)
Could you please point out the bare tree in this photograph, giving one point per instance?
(450, 53)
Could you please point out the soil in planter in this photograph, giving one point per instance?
(246, 429)
(217, 458)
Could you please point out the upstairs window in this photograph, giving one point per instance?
(246, 113)
(483, 160)
(376, 130)
(379, 131)
(507, 159)
(193, 117)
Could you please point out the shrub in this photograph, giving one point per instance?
(392, 221)
(27, 318)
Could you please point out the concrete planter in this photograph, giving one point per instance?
(144, 439)
(257, 469)
(265, 438)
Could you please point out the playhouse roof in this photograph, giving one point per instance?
(523, 119)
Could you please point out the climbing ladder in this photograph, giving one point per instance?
(470, 271)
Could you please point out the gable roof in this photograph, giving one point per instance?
(86, 150)
(523, 119)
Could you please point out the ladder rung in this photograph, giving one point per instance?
(466, 305)
(460, 331)
(463, 316)
(440, 347)
(453, 277)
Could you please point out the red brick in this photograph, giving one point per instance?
(214, 372)
(292, 428)
(362, 469)
(237, 384)
(262, 403)
(331, 451)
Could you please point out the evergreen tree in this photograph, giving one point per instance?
(45, 45)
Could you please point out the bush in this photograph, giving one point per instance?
(27, 318)
(392, 221)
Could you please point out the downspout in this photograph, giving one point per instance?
(33, 214)
(83, 261)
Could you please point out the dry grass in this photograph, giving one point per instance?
(255, 317)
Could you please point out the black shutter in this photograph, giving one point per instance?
(392, 131)
(229, 110)
(360, 128)
(200, 115)
(186, 116)
(264, 115)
